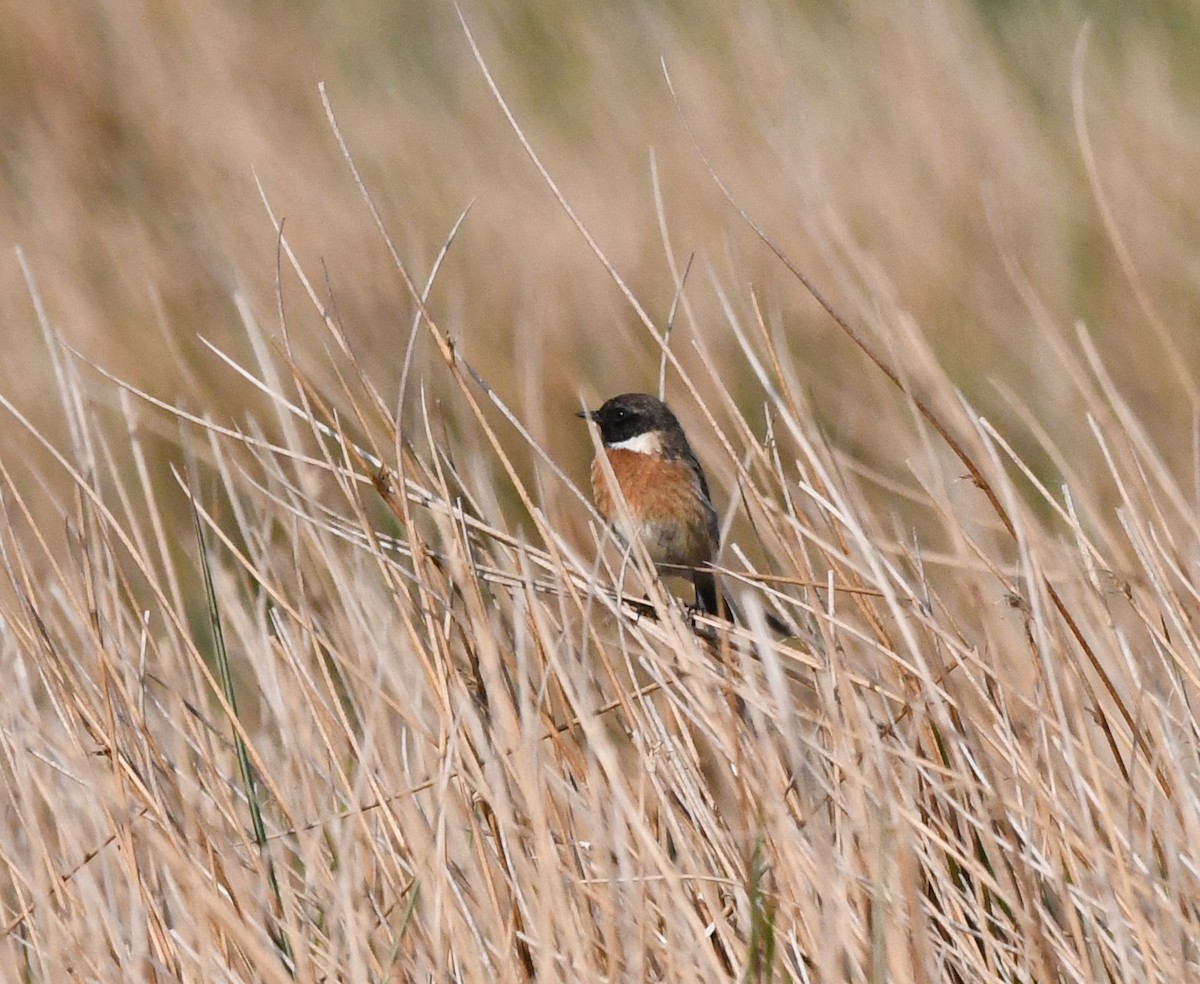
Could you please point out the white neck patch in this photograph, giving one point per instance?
(649, 443)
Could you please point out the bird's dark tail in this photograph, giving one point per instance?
(712, 601)
(708, 599)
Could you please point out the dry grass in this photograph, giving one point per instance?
(319, 665)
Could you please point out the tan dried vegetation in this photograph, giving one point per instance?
(317, 664)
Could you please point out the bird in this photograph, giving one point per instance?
(668, 508)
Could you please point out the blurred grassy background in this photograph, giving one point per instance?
(937, 138)
(922, 162)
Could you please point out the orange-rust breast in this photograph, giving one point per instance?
(670, 513)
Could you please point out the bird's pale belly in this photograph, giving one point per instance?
(670, 543)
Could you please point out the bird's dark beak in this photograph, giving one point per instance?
(587, 414)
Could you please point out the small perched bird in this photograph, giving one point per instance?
(669, 509)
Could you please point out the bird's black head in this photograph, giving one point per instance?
(630, 415)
